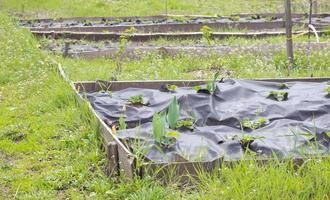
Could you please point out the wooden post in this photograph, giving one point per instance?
(288, 28)
(66, 49)
(309, 64)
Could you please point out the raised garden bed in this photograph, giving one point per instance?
(135, 52)
(171, 24)
(142, 37)
(211, 124)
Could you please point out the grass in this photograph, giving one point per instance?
(156, 67)
(80, 8)
(49, 146)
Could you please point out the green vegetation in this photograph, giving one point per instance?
(207, 34)
(327, 90)
(173, 113)
(254, 124)
(283, 86)
(136, 99)
(234, 18)
(122, 123)
(278, 95)
(171, 88)
(83, 8)
(188, 123)
(163, 137)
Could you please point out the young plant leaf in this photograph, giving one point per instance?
(158, 126)
(122, 123)
(211, 85)
(173, 113)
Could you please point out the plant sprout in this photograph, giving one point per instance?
(188, 123)
(122, 123)
(246, 140)
(211, 85)
(171, 88)
(279, 95)
(327, 90)
(283, 86)
(158, 126)
(165, 139)
(173, 113)
(136, 99)
(235, 18)
(328, 134)
(197, 88)
(250, 124)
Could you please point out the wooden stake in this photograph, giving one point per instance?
(288, 27)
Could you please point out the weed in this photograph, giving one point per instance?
(234, 18)
(279, 95)
(327, 90)
(207, 33)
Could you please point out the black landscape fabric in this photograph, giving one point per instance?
(296, 126)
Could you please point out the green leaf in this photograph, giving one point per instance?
(122, 123)
(172, 134)
(211, 85)
(173, 113)
(158, 126)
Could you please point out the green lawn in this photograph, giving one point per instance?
(65, 8)
(48, 141)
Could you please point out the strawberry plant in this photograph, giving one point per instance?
(279, 95)
(171, 88)
(254, 124)
(136, 99)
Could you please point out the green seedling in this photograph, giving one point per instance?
(283, 86)
(122, 123)
(163, 138)
(246, 140)
(279, 95)
(327, 90)
(254, 124)
(171, 88)
(173, 113)
(136, 99)
(207, 33)
(188, 123)
(211, 85)
(328, 134)
(197, 88)
(158, 126)
(235, 18)
(254, 17)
